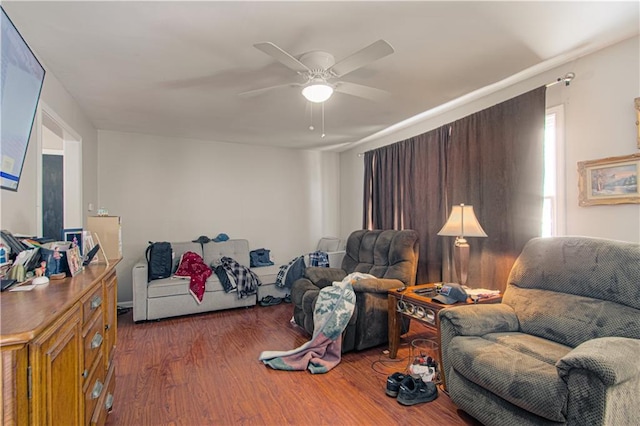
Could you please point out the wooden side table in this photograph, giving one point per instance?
(416, 303)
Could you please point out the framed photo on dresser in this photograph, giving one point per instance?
(74, 236)
(74, 260)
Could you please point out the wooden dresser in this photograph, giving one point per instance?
(57, 345)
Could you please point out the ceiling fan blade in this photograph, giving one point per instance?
(266, 89)
(361, 91)
(282, 56)
(362, 57)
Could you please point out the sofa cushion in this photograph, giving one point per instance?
(383, 254)
(541, 349)
(527, 379)
(267, 274)
(583, 318)
(238, 250)
(583, 266)
(587, 279)
(176, 286)
(182, 247)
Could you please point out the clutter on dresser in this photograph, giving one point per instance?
(26, 257)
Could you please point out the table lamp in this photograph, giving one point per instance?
(462, 223)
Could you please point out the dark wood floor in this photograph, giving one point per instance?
(204, 370)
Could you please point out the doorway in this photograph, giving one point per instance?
(61, 183)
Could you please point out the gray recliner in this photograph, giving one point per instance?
(390, 255)
(562, 347)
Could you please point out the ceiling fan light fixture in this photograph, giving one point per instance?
(317, 92)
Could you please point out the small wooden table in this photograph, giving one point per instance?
(415, 302)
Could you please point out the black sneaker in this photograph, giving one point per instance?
(415, 391)
(393, 384)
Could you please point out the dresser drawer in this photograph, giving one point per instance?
(92, 303)
(96, 385)
(95, 388)
(93, 342)
(105, 403)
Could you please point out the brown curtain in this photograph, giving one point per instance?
(491, 160)
(495, 161)
(402, 188)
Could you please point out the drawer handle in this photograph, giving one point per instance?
(97, 390)
(96, 341)
(85, 373)
(95, 302)
(107, 327)
(108, 403)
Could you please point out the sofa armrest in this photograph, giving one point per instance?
(473, 320)
(376, 285)
(612, 359)
(323, 277)
(478, 320)
(299, 288)
(140, 284)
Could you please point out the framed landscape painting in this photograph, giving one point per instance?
(637, 104)
(611, 180)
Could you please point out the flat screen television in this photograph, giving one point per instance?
(21, 79)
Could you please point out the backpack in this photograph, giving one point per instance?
(159, 260)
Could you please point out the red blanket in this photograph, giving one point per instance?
(192, 265)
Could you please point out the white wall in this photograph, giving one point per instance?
(170, 189)
(73, 209)
(19, 212)
(599, 120)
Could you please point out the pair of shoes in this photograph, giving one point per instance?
(287, 298)
(270, 301)
(415, 391)
(393, 384)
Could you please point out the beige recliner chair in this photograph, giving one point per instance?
(562, 347)
(391, 256)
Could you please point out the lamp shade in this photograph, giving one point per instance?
(317, 92)
(462, 222)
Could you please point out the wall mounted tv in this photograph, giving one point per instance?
(21, 79)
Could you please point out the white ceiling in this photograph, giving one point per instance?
(176, 68)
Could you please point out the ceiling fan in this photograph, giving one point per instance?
(322, 74)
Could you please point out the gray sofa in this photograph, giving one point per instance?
(563, 346)
(170, 297)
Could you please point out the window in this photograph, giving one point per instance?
(553, 210)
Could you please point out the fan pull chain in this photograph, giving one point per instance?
(322, 135)
(310, 115)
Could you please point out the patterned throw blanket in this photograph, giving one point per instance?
(244, 280)
(334, 307)
(192, 266)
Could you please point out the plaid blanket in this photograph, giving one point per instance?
(245, 281)
(290, 272)
(319, 258)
